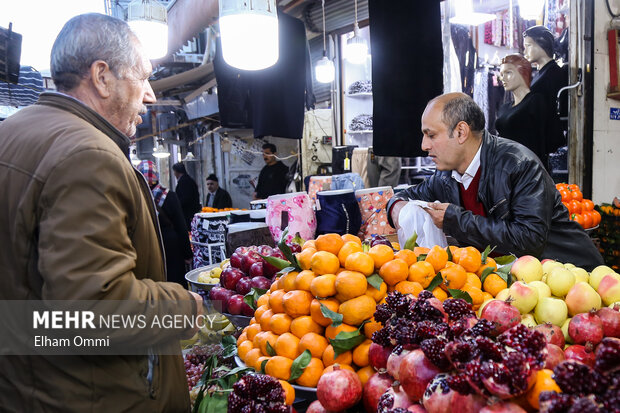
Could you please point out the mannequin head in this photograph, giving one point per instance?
(538, 44)
(515, 72)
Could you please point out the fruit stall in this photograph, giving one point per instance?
(341, 324)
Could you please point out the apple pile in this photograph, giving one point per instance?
(247, 269)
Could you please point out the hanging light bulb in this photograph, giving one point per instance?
(160, 152)
(356, 50)
(249, 33)
(324, 69)
(148, 20)
(465, 15)
(531, 9)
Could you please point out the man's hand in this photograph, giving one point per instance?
(199, 303)
(437, 212)
(398, 205)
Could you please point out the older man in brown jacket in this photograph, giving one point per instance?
(77, 222)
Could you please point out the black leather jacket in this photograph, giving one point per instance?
(525, 215)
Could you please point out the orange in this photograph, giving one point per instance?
(365, 374)
(544, 382)
(395, 246)
(244, 348)
(296, 303)
(409, 287)
(493, 284)
(351, 238)
(264, 320)
(377, 295)
(274, 285)
(394, 271)
(308, 244)
(253, 320)
(242, 337)
(470, 259)
(473, 280)
(329, 357)
(348, 249)
(360, 354)
(490, 263)
(358, 309)
(251, 357)
(437, 257)
(317, 315)
(252, 330)
(456, 253)
(259, 362)
(287, 346)
(421, 272)
(324, 262)
(476, 294)
(275, 301)
(303, 280)
(329, 242)
(371, 327)
(287, 281)
(280, 323)
(420, 250)
(312, 373)
(486, 296)
(350, 284)
(279, 367)
(342, 367)
(258, 313)
(381, 254)
(407, 255)
(268, 337)
(289, 392)
(332, 332)
(304, 325)
(360, 262)
(263, 300)
(440, 294)
(454, 277)
(305, 257)
(323, 286)
(313, 342)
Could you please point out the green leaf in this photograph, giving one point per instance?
(346, 340)
(411, 243)
(375, 280)
(422, 257)
(286, 250)
(227, 340)
(486, 253)
(450, 258)
(365, 246)
(252, 297)
(335, 317)
(279, 263)
(298, 239)
(214, 403)
(286, 270)
(199, 397)
(270, 350)
(506, 277)
(485, 274)
(435, 282)
(460, 294)
(299, 364)
(262, 366)
(505, 259)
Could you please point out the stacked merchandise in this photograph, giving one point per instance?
(360, 86)
(361, 123)
(208, 237)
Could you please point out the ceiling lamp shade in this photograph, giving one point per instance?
(189, 157)
(148, 20)
(465, 15)
(249, 33)
(531, 9)
(325, 70)
(356, 51)
(160, 152)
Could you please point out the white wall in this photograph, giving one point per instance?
(606, 150)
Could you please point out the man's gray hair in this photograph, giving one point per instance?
(87, 38)
(463, 108)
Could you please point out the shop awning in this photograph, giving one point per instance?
(26, 92)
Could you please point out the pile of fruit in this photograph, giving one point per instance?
(609, 234)
(213, 275)
(579, 209)
(211, 209)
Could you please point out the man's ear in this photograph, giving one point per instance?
(462, 131)
(101, 78)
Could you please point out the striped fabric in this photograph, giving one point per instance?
(26, 92)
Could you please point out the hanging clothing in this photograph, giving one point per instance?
(467, 56)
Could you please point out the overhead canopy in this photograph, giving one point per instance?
(26, 92)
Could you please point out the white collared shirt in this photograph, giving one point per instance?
(211, 198)
(470, 172)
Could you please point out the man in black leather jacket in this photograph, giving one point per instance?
(516, 205)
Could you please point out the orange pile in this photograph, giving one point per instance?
(579, 209)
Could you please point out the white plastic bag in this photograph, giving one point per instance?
(413, 218)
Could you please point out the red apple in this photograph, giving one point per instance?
(230, 277)
(261, 282)
(244, 285)
(235, 304)
(219, 297)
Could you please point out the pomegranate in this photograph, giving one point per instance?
(586, 328)
(610, 317)
(393, 398)
(502, 315)
(378, 356)
(394, 361)
(339, 389)
(552, 333)
(316, 407)
(376, 385)
(584, 354)
(555, 355)
(415, 372)
(438, 305)
(416, 408)
(608, 355)
(503, 407)
(441, 397)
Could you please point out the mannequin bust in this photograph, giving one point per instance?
(525, 119)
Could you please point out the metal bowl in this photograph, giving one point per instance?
(192, 279)
(238, 320)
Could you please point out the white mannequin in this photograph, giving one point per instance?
(513, 82)
(534, 53)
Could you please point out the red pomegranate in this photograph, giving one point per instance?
(378, 356)
(552, 333)
(610, 317)
(415, 372)
(316, 407)
(393, 398)
(376, 385)
(394, 361)
(555, 355)
(502, 315)
(503, 407)
(339, 389)
(586, 328)
(439, 397)
(584, 354)
(416, 408)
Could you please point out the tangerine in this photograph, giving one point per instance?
(329, 242)
(456, 253)
(280, 323)
(304, 258)
(350, 284)
(440, 294)
(243, 336)
(360, 354)
(473, 280)
(331, 332)
(394, 271)
(421, 272)
(360, 262)
(251, 357)
(351, 238)
(490, 263)
(470, 259)
(296, 303)
(407, 255)
(365, 374)
(377, 295)
(289, 392)
(287, 346)
(264, 320)
(259, 363)
(357, 310)
(437, 257)
(409, 287)
(253, 330)
(260, 311)
(381, 254)
(348, 249)
(329, 357)
(279, 367)
(544, 382)
(323, 286)
(371, 327)
(304, 325)
(324, 262)
(304, 279)
(477, 297)
(454, 277)
(317, 314)
(493, 284)
(263, 300)
(267, 337)
(308, 244)
(420, 250)
(312, 373)
(313, 342)
(244, 348)
(275, 301)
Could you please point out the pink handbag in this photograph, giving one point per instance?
(292, 210)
